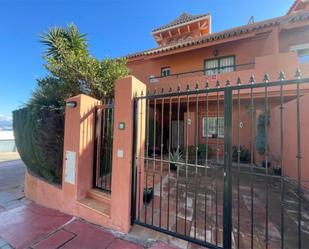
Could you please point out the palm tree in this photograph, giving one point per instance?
(59, 40)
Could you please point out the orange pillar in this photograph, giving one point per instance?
(122, 150)
(78, 150)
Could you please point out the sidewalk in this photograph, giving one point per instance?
(24, 224)
(34, 226)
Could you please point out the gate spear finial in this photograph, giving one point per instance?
(252, 79)
(228, 82)
(298, 74)
(218, 84)
(266, 78)
(281, 75)
(238, 81)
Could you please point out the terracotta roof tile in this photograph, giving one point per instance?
(293, 5)
(299, 16)
(183, 18)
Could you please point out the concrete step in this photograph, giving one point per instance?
(99, 196)
(96, 205)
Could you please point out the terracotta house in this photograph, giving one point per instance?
(189, 56)
(189, 53)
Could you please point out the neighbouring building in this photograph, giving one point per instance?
(7, 141)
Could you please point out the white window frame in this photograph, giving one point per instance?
(165, 69)
(218, 70)
(213, 126)
(301, 50)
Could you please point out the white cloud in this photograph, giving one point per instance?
(5, 118)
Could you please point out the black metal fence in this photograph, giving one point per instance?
(104, 145)
(216, 168)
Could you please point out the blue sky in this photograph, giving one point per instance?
(114, 28)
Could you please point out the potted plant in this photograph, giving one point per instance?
(277, 167)
(244, 154)
(148, 195)
(264, 164)
(175, 157)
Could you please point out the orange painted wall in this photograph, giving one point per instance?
(290, 138)
(293, 37)
(268, 49)
(245, 50)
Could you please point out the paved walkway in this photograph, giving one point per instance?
(34, 226)
(24, 224)
(12, 185)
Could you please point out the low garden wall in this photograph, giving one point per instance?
(77, 173)
(41, 192)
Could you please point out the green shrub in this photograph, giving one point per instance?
(39, 140)
(201, 153)
(245, 155)
(203, 149)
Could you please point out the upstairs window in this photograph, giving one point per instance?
(219, 65)
(165, 71)
(302, 52)
(303, 56)
(213, 127)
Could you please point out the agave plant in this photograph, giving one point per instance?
(175, 157)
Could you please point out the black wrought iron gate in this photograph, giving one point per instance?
(230, 180)
(103, 149)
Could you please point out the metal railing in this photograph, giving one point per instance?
(209, 72)
(216, 195)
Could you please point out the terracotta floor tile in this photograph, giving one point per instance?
(123, 244)
(87, 236)
(55, 240)
(25, 225)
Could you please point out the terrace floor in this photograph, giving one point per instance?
(193, 206)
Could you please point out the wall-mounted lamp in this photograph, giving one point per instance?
(71, 104)
(215, 52)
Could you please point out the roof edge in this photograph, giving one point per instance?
(159, 30)
(239, 30)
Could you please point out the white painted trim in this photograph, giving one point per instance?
(209, 24)
(299, 47)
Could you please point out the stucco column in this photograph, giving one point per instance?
(78, 145)
(122, 150)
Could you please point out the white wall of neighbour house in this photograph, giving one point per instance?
(7, 141)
